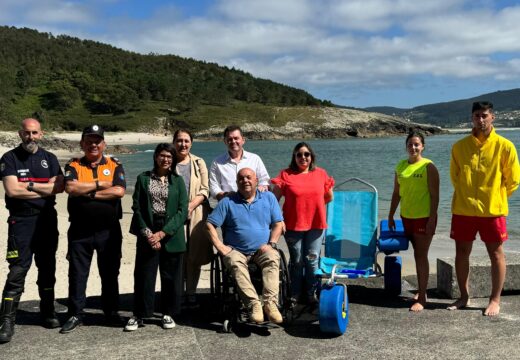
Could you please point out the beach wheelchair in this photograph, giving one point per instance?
(351, 250)
(227, 301)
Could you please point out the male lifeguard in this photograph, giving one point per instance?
(484, 171)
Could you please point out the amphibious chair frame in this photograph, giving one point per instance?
(227, 300)
(352, 247)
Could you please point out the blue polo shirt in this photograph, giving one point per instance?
(247, 226)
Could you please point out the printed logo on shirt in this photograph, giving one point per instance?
(106, 172)
(44, 164)
(22, 172)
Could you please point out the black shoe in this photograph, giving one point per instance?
(50, 321)
(6, 330)
(72, 323)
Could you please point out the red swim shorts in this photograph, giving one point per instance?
(491, 229)
(415, 226)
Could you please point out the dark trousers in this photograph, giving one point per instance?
(82, 243)
(147, 261)
(27, 236)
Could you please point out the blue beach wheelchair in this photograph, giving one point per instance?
(352, 246)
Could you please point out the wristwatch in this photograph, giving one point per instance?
(30, 187)
(92, 195)
(273, 245)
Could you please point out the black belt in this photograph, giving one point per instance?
(25, 212)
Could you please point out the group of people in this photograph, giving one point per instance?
(484, 172)
(176, 229)
(174, 232)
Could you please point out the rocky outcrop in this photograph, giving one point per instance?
(330, 123)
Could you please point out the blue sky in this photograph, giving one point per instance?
(360, 53)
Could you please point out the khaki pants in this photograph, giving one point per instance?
(269, 262)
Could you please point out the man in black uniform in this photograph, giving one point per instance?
(31, 177)
(95, 184)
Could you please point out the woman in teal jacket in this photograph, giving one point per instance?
(160, 206)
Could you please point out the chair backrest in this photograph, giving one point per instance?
(352, 228)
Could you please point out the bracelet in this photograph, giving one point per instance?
(97, 185)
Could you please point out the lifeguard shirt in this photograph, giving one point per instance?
(95, 212)
(247, 226)
(304, 206)
(413, 188)
(27, 167)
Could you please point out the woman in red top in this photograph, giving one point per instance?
(306, 189)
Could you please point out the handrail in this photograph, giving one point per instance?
(358, 180)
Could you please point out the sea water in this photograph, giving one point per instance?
(372, 160)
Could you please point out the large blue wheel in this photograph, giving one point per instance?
(333, 309)
(393, 265)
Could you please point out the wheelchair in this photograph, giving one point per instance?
(226, 299)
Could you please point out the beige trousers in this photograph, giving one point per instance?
(269, 262)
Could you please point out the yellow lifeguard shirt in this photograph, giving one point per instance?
(413, 188)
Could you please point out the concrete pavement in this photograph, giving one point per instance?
(378, 328)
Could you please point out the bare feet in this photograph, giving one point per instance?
(493, 308)
(417, 306)
(459, 304)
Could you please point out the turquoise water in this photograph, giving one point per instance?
(370, 159)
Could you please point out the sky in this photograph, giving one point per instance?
(359, 53)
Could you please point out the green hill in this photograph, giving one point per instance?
(68, 83)
(457, 113)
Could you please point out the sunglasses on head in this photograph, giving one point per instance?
(300, 155)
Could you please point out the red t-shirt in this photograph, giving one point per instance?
(304, 206)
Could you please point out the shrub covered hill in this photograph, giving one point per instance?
(68, 83)
(458, 113)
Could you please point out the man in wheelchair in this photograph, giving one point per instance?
(251, 222)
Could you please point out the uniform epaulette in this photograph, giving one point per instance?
(116, 160)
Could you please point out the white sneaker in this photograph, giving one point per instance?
(133, 324)
(167, 322)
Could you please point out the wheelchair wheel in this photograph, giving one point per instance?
(334, 309)
(393, 266)
(216, 277)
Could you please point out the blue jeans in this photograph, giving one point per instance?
(304, 249)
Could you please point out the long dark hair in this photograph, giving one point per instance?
(293, 165)
(171, 149)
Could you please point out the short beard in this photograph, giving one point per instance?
(30, 146)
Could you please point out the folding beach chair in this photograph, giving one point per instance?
(351, 250)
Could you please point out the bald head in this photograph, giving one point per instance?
(247, 182)
(31, 133)
(30, 122)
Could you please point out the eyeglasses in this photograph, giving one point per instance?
(303, 154)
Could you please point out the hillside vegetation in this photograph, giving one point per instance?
(68, 83)
(457, 113)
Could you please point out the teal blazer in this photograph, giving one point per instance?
(176, 211)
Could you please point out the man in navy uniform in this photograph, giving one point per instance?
(31, 177)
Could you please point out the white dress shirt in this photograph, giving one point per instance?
(223, 172)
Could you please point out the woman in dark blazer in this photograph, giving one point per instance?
(160, 206)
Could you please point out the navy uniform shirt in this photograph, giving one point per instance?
(27, 167)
